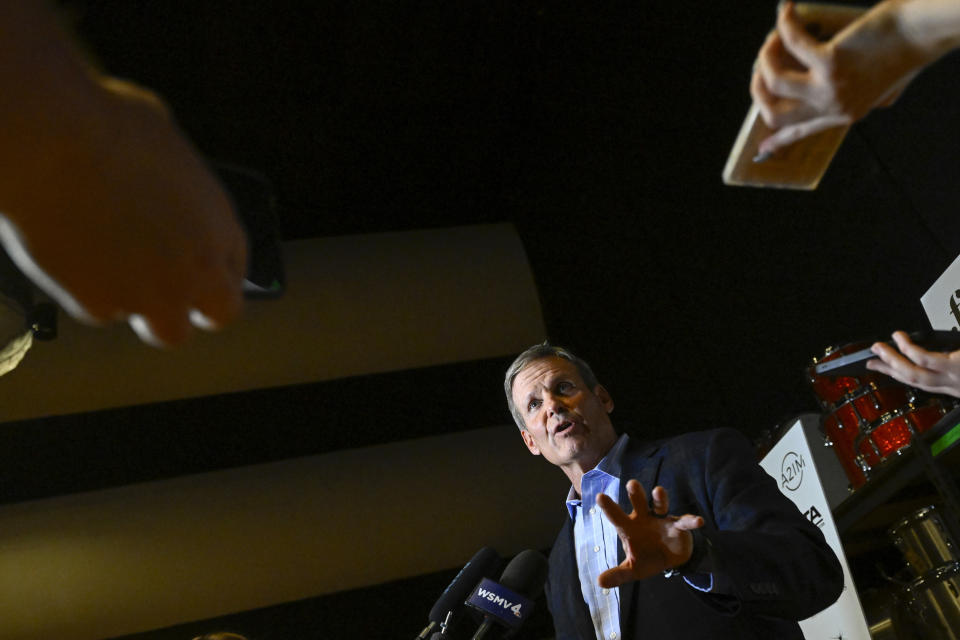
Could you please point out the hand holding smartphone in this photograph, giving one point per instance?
(802, 164)
(854, 364)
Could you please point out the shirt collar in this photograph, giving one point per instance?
(611, 461)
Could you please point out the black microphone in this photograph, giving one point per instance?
(483, 564)
(510, 602)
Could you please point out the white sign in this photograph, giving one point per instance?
(941, 302)
(792, 465)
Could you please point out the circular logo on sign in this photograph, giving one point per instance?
(791, 471)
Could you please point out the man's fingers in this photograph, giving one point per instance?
(614, 577)
(688, 522)
(661, 501)
(638, 497)
(612, 510)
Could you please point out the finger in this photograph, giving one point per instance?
(689, 522)
(914, 376)
(779, 112)
(800, 44)
(790, 134)
(917, 354)
(638, 497)
(614, 577)
(897, 366)
(783, 75)
(885, 352)
(216, 300)
(661, 501)
(612, 510)
(89, 311)
(879, 366)
(131, 91)
(762, 97)
(160, 332)
(890, 361)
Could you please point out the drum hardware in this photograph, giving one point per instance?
(864, 465)
(932, 602)
(925, 539)
(879, 609)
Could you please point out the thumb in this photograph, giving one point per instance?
(688, 522)
(614, 577)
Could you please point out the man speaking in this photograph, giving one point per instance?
(741, 562)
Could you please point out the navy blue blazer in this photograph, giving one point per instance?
(771, 566)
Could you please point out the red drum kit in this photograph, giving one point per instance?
(869, 417)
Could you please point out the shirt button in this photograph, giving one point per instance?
(596, 549)
(606, 592)
(613, 635)
(593, 510)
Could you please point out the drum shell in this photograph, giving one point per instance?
(925, 540)
(833, 391)
(860, 444)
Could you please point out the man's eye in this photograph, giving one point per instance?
(533, 405)
(564, 386)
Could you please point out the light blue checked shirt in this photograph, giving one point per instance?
(595, 540)
(596, 543)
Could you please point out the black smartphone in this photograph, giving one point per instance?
(855, 363)
(255, 204)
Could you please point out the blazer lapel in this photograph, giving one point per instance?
(642, 463)
(575, 608)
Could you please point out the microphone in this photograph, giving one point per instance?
(483, 564)
(510, 602)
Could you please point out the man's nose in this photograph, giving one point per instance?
(555, 406)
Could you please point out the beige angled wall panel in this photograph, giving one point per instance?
(355, 305)
(151, 555)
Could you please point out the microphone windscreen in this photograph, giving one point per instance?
(526, 573)
(483, 564)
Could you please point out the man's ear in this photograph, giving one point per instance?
(530, 442)
(605, 398)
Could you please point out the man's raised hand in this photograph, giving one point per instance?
(652, 540)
